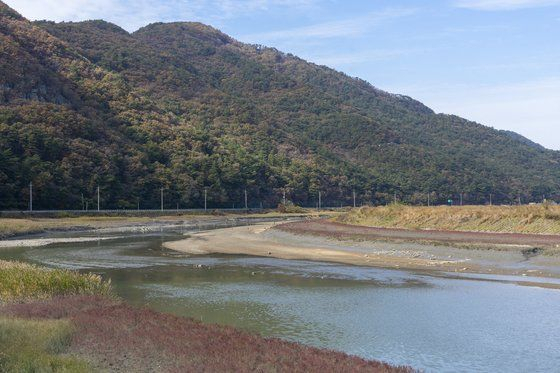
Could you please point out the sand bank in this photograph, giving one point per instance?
(264, 240)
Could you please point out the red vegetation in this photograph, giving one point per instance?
(331, 229)
(113, 335)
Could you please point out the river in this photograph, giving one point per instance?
(431, 321)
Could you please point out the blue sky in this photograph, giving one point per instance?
(493, 61)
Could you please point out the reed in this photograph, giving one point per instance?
(21, 281)
(534, 219)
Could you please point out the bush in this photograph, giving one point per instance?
(290, 208)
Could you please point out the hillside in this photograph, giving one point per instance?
(183, 106)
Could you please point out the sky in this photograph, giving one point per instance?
(496, 62)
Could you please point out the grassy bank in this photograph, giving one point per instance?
(63, 321)
(19, 226)
(117, 337)
(28, 345)
(535, 219)
(21, 281)
(37, 346)
(10, 227)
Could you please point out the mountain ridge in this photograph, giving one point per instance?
(183, 106)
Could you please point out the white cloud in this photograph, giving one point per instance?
(133, 14)
(348, 27)
(495, 5)
(529, 108)
(343, 59)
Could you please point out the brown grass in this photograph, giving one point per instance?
(112, 335)
(534, 219)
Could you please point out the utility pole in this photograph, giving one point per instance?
(319, 200)
(245, 199)
(205, 197)
(30, 196)
(83, 207)
(461, 198)
(354, 198)
(161, 192)
(519, 200)
(429, 199)
(490, 199)
(98, 198)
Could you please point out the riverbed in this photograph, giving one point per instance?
(429, 320)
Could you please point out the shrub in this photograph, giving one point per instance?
(290, 208)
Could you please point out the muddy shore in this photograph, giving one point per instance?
(294, 241)
(115, 337)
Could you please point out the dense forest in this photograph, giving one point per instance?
(184, 107)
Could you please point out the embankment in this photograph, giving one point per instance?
(532, 219)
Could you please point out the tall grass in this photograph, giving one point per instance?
(536, 219)
(20, 281)
(36, 346)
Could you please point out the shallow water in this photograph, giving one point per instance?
(435, 323)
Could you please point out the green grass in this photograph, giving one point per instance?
(21, 281)
(37, 346)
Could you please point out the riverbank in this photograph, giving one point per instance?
(315, 240)
(11, 228)
(113, 336)
(62, 321)
(526, 219)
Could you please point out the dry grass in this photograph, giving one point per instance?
(535, 219)
(11, 226)
(21, 281)
(20, 226)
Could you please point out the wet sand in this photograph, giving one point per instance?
(271, 239)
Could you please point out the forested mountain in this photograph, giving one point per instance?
(182, 106)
